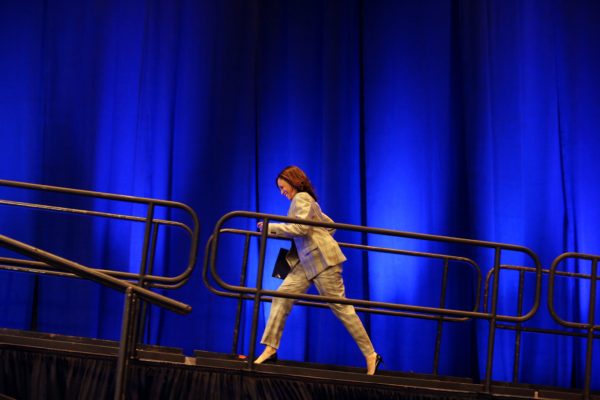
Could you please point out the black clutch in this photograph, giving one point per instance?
(281, 267)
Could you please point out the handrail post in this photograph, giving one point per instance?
(590, 335)
(258, 295)
(144, 283)
(127, 344)
(147, 247)
(440, 323)
(492, 329)
(519, 326)
(238, 313)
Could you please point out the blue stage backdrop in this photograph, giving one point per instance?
(477, 119)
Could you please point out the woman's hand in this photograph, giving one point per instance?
(259, 226)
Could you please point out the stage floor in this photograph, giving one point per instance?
(47, 366)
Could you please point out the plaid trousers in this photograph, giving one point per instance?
(328, 283)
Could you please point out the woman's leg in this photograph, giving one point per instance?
(330, 283)
(295, 282)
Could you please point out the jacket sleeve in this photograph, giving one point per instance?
(301, 208)
(327, 219)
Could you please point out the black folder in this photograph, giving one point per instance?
(281, 267)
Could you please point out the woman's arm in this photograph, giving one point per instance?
(327, 219)
(300, 208)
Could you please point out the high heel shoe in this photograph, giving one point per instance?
(270, 359)
(378, 361)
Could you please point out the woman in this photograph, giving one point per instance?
(315, 257)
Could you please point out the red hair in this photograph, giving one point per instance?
(297, 179)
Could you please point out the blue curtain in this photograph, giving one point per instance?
(475, 119)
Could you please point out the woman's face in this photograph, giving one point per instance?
(286, 189)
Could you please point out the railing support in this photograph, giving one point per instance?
(238, 312)
(258, 295)
(494, 315)
(518, 325)
(440, 323)
(440, 314)
(127, 344)
(590, 333)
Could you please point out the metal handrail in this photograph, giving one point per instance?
(148, 279)
(92, 274)
(440, 319)
(248, 296)
(41, 268)
(591, 325)
(519, 328)
(132, 292)
(134, 311)
(546, 271)
(93, 213)
(340, 226)
(593, 277)
(258, 293)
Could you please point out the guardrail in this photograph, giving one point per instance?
(590, 326)
(135, 286)
(585, 330)
(151, 231)
(130, 310)
(443, 314)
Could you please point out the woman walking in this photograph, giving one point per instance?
(315, 257)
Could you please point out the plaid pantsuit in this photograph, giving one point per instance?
(314, 257)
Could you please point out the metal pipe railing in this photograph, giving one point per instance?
(589, 330)
(440, 319)
(92, 274)
(393, 306)
(242, 296)
(135, 286)
(248, 234)
(590, 326)
(171, 282)
(442, 257)
(259, 294)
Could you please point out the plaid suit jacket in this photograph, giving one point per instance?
(314, 247)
